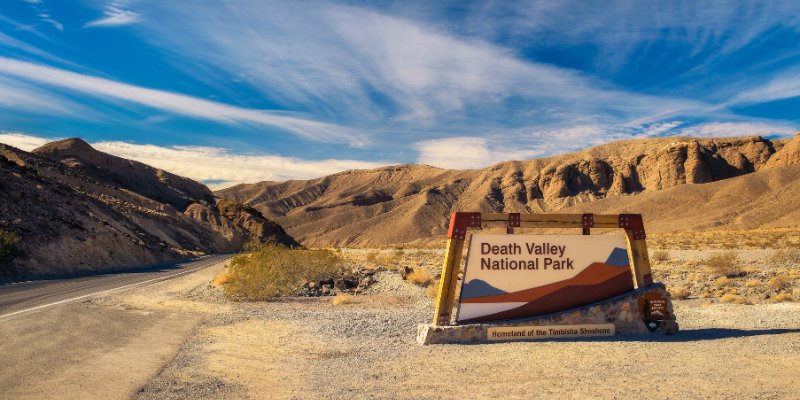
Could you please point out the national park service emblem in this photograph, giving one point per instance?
(653, 308)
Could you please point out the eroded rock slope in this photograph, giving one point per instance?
(77, 209)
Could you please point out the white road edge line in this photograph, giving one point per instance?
(105, 291)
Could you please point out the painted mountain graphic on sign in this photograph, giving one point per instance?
(597, 282)
(479, 288)
(619, 258)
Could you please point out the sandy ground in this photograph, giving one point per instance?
(308, 348)
(180, 339)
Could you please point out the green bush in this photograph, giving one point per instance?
(8, 249)
(271, 271)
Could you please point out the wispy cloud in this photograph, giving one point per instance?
(732, 129)
(176, 103)
(384, 72)
(529, 143)
(784, 86)
(44, 14)
(19, 96)
(115, 14)
(209, 164)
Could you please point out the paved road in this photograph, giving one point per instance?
(21, 298)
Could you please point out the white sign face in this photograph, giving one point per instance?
(518, 276)
(549, 332)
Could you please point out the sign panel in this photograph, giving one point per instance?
(549, 332)
(654, 309)
(518, 276)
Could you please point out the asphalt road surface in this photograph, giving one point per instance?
(58, 342)
(26, 297)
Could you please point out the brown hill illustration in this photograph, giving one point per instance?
(597, 282)
(594, 274)
(77, 209)
(411, 203)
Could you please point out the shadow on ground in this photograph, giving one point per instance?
(687, 335)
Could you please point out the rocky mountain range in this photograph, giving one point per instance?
(411, 203)
(74, 209)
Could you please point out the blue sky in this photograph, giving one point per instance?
(246, 90)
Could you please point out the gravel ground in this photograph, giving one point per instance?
(366, 349)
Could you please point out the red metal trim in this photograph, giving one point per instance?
(587, 222)
(460, 221)
(513, 220)
(633, 222)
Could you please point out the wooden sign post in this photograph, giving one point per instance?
(461, 221)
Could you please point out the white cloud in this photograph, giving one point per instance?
(455, 153)
(115, 15)
(177, 103)
(210, 163)
(21, 140)
(731, 129)
(659, 128)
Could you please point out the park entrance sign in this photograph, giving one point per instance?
(524, 286)
(517, 276)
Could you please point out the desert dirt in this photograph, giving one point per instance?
(365, 347)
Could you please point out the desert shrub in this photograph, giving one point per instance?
(753, 283)
(779, 283)
(344, 299)
(432, 291)
(679, 293)
(371, 257)
(271, 271)
(722, 282)
(221, 279)
(784, 297)
(734, 298)
(8, 250)
(660, 256)
(786, 256)
(420, 277)
(725, 264)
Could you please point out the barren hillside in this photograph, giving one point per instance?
(77, 209)
(409, 203)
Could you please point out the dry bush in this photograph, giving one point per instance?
(271, 271)
(420, 277)
(786, 256)
(734, 298)
(779, 283)
(783, 297)
(344, 299)
(725, 264)
(221, 279)
(722, 282)
(679, 293)
(660, 256)
(371, 257)
(753, 283)
(432, 291)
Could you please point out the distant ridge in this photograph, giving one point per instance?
(675, 175)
